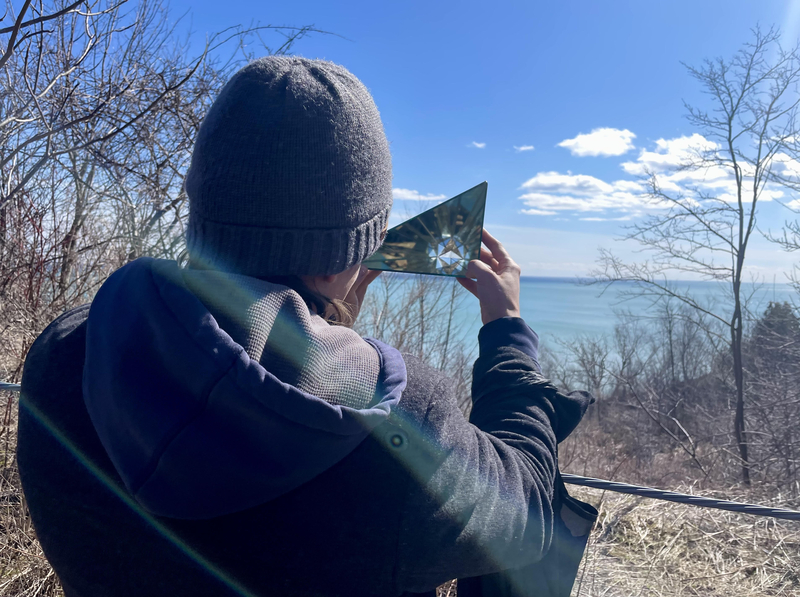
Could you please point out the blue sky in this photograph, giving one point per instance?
(465, 88)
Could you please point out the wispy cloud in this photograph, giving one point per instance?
(524, 147)
(555, 192)
(476, 144)
(709, 178)
(603, 142)
(411, 195)
(669, 154)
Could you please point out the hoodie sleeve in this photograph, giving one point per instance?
(483, 501)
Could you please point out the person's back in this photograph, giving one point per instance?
(214, 430)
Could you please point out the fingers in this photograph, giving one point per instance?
(479, 269)
(494, 280)
(476, 268)
(487, 257)
(470, 285)
(498, 251)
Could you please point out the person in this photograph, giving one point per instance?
(220, 429)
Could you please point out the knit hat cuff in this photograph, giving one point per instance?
(260, 251)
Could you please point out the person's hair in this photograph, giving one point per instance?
(334, 311)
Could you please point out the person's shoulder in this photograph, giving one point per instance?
(57, 351)
(65, 323)
(427, 389)
(60, 329)
(421, 383)
(423, 376)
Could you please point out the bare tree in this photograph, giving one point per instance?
(789, 240)
(751, 135)
(99, 107)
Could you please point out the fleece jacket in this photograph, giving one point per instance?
(158, 457)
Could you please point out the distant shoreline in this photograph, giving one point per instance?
(586, 281)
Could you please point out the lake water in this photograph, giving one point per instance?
(564, 308)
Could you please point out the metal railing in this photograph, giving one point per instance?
(682, 498)
(648, 492)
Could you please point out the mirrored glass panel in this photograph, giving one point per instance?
(439, 241)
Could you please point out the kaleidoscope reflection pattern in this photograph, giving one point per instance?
(448, 255)
(439, 241)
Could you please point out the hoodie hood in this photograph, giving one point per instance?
(214, 393)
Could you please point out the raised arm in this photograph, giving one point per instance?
(483, 502)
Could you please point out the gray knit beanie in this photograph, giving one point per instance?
(291, 172)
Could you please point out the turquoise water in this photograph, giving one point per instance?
(563, 308)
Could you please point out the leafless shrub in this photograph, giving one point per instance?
(99, 107)
(663, 394)
(773, 384)
(424, 316)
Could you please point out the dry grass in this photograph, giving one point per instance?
(649, 548)
(24, 572)
(640, 548)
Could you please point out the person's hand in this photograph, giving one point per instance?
(355, 297)
(494, 279)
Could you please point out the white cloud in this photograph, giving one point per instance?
(476, 144)
(555, 192)
(600, 142)
(624, 199)
(524, 148)
(410, 195)
(669, 154)
(786, 166)
(714, 180)
(575, 183)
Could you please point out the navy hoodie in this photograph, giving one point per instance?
(160, 456)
